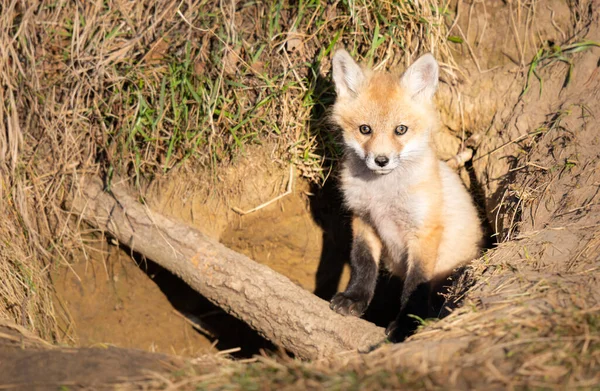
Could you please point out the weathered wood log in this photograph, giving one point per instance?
(270, 303)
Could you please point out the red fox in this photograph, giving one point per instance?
(410, 210)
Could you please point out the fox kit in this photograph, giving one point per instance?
(411, 212)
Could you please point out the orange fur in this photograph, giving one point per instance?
(361, 229)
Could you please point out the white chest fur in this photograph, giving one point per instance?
(387, 202)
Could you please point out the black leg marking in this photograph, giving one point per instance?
(363, 278)
(414, 301)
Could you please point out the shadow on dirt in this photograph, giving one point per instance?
(326, 204)
(226, 331)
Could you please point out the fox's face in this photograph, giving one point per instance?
(386, 119)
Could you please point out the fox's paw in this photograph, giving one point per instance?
(394, 333)
(349, 304)
(398, 331)
(391, 328)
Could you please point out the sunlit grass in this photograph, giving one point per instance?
(551, 54)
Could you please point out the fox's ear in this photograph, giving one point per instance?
(421, 78)
(347, 74)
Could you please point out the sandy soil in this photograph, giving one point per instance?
(112, 301)
(302, 236)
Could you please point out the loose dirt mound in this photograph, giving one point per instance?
(27, 362)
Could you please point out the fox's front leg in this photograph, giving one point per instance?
(364, 263)
(416, 292)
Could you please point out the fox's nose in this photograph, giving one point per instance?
(382, 161)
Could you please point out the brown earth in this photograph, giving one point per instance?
(282, 236)
(28, 363)
(109, 300)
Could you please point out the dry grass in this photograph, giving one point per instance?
(151, 84)
(25, 295)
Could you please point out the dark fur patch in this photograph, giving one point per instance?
(363, 279)
(414, 305)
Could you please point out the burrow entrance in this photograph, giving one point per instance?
(112, 296)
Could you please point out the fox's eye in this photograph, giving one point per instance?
(365, 129)
(401, 129)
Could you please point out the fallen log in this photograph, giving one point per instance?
(270, 303)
